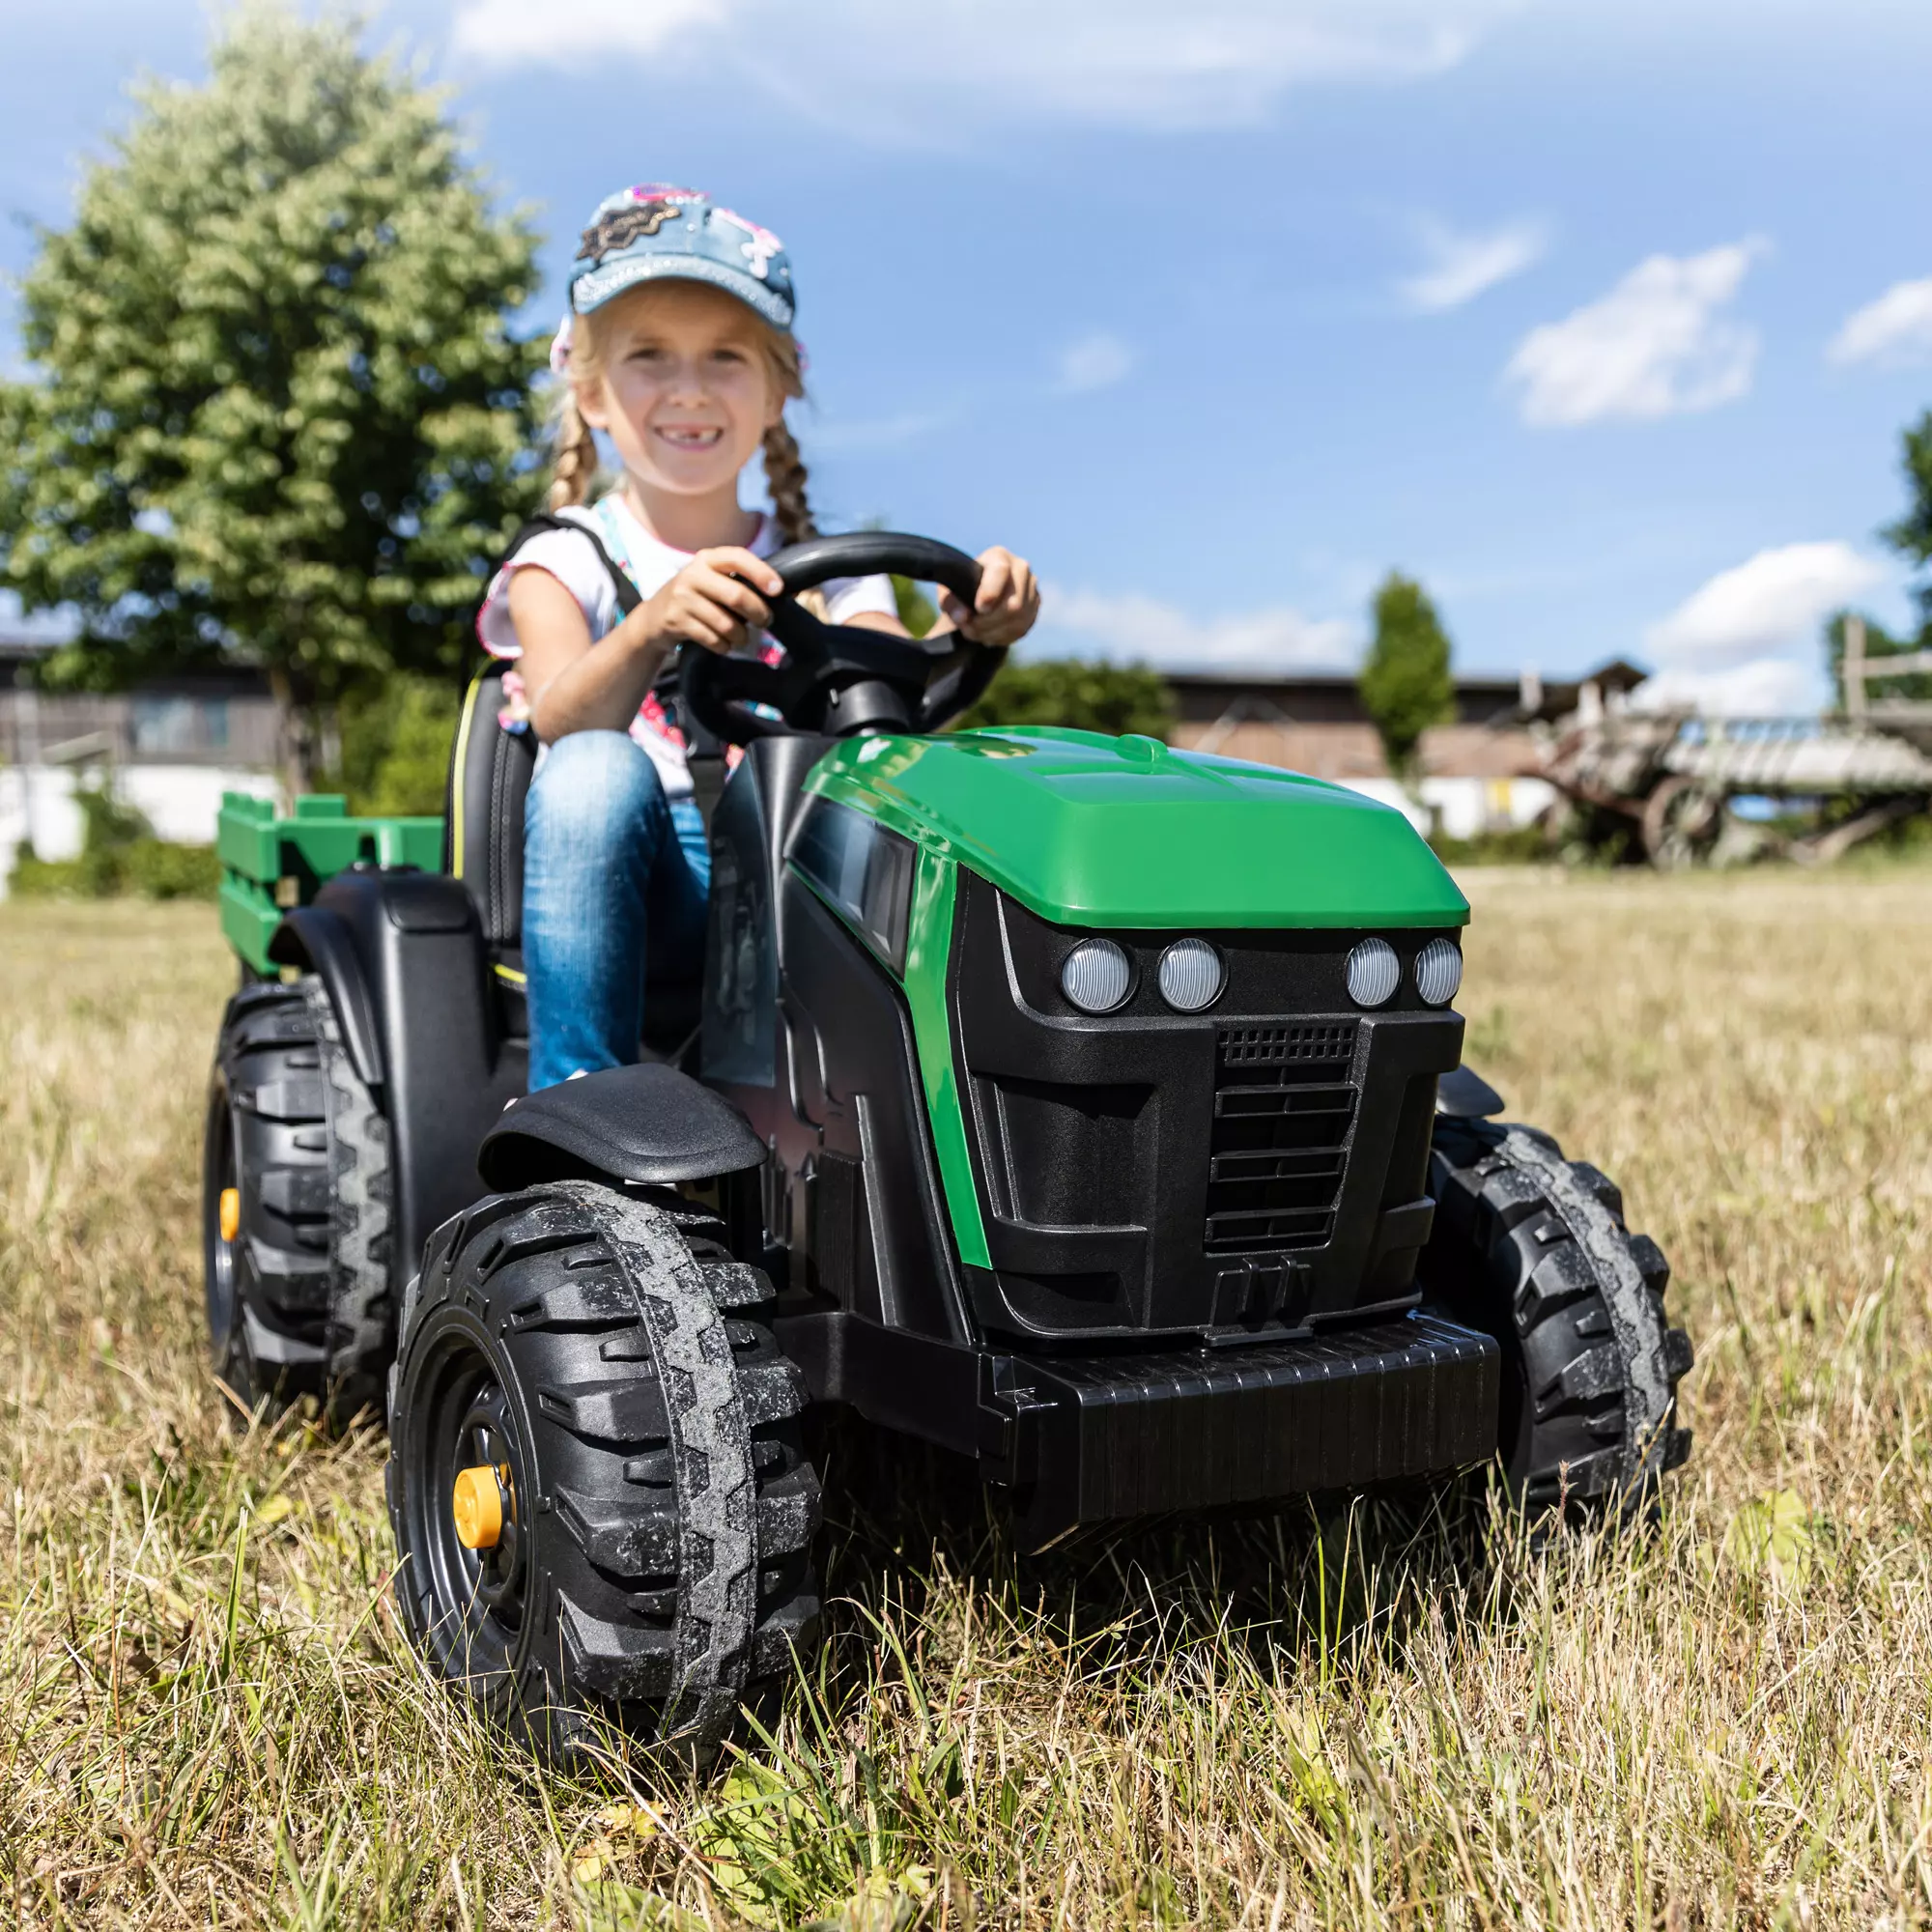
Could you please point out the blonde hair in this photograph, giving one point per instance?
(575, 473)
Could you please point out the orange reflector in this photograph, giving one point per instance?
(478, 1508)
(230, 1212)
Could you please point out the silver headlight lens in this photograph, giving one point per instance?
(1374, 973)
(1191, 976)
(1438, 972)
(1096, 976)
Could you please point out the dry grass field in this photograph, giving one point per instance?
(1397, 1716)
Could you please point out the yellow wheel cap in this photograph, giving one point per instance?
(478, 1508)
(230, 1212)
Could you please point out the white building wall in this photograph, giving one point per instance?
(180, 801)
(1463, 807)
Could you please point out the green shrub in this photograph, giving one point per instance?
(158, 869)
(1114, 699)
(149, 868)
(120, 856)
(1518, 845)
(395, 746)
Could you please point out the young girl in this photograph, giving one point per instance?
(678, 346)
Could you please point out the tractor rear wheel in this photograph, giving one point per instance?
(596, 1477)
(1532, 1249)
(294, 1208)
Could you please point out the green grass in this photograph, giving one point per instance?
(1393, 1716)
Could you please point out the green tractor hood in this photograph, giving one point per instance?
(1085, 830)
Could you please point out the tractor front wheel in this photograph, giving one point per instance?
(596, 1477)
(1532, 1249)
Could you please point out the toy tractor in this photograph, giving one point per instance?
(1089, 1109)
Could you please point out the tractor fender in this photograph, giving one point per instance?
(316, 940)
(651, 1124)
(1465, 1095)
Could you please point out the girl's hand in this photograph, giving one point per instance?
(1008, 603)
(714, 601)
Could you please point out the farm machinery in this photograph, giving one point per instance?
(1090, 1110)
(1665, 780)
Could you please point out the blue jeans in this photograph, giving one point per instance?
(615, 881)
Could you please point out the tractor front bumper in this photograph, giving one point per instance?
(1091, 1438)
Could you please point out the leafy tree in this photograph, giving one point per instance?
(1404, 681)
(278, 412)
(395, 746)
(916, 610)
(1091, 696)
(1911, 534)
(1879, 644)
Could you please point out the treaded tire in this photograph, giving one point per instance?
(299, 1302)
(655, 1565)
(1532, 1249)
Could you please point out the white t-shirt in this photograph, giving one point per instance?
(650, 564)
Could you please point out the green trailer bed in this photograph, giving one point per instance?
(269, 864)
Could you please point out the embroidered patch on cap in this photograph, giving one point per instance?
(611, 233)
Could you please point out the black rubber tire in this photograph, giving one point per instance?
(300, 1302)
(655, 1570)
(1532, 1249)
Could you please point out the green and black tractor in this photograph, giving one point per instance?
(1090, 1109)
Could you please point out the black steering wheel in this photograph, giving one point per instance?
(837, 681)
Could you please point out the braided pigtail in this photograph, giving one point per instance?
(785, 477)
(576, 463)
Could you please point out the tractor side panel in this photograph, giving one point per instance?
(808, 1036)
(871, 1210)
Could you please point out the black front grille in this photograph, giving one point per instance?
(1283, 1105)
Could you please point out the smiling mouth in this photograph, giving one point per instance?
(692, 438)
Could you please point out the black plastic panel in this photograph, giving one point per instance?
(737, 1038)
(850, 1204)
(1258, 1168)
(648, 1123)
(1118, 1436)
(447, 1068)
(1090, 1438)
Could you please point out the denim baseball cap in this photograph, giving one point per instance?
(655, 231)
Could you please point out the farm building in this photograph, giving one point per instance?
(175, 744)
(1479, 771)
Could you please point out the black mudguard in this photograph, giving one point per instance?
(402, 957)
(651, 1124)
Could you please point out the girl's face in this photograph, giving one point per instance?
(687, 391)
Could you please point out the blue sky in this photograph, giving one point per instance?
(1602, 319)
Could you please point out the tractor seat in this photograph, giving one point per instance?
(490, 773)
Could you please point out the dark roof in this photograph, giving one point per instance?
(1322, 698)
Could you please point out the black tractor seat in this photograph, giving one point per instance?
(490, 771)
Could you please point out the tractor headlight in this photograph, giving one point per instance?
(1191, 976)
(1374, 973)
(1096, 976)
(1438, 972)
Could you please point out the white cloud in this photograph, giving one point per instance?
(1462, 266)
(1773, 601)
(501, 31)
(1758, 687)
(1654, 346)
(1096, 361)
(876, 63)
(1142, 630)
(1894, 329)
